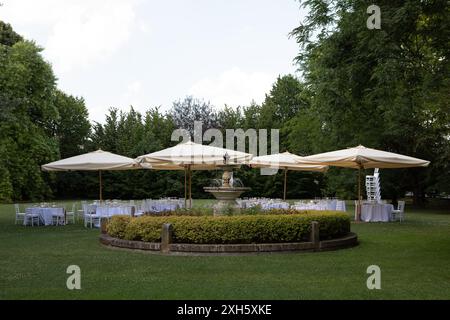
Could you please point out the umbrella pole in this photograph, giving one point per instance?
(100, 184)
(190, 187)
(285, 179)
(185, 188)
(358, 211)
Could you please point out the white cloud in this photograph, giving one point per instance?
(132, 96)
(80, 32)
(234, 87)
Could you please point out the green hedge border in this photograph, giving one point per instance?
(239, 229)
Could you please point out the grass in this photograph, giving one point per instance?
(414, 257)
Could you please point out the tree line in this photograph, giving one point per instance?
(385, 89)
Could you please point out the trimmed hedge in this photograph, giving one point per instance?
(266, 228)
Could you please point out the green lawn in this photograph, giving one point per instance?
(414, 257)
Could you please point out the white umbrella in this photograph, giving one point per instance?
(285, 161)
(190, 156)
(361, 157)
(93, 161)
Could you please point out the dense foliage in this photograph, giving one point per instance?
(262, 228)
(386, 89)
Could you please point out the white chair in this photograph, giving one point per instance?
(139, 210)
(71, 214)
(90, 218)
(58, 218)
(80, 212)
(400, 211)
(340, 205)
(29, 215)
(20, 216)
(356, 209)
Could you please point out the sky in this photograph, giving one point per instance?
(117, 53)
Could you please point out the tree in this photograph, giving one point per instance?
(384, 88)
(72, 128)
(185, 112)
(27, 84)
(7, 35)
(285, 99)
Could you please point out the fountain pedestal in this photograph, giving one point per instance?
(226, 194)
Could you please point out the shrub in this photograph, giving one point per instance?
(116, 226)
(261, 228)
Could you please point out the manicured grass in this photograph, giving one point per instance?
(414, 257)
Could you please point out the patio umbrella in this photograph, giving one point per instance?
(190, 156)
(93, 161)
(285, 161)
(361, 157)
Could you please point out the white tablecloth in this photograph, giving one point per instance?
(45, 214)
(161, 205)
(322, 205)
(265, 204)
(106, 211)
(376, 212)
(275, 205)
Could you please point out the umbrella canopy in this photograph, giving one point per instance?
(286, 161)
(194, 155)
(93, 161)
(190, 156)
(361, 157)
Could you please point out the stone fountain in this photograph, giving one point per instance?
(226, 193)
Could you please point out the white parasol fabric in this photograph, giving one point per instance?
(286, 161)
(361, 157)
(195, 155)
(93, 161)
(190, 156)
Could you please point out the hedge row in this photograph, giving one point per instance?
(273, 228)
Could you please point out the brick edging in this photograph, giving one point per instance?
(350, 240)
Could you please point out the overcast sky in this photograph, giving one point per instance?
(151, 53)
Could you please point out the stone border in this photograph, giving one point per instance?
(167, 247)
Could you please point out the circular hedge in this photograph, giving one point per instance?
(275, 227)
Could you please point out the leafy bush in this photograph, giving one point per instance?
(116, 226)
(262, 228)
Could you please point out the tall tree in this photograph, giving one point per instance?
(385, 88)
(185, 112)
(27, 84)
(72, 127)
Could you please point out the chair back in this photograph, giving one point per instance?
(16, 207)
(85, 208)
(401, 206)
(339, 205)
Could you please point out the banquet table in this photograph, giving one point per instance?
(376, 212)
(265, 204)
(275, 205)
(321, 205)
(162, 205)
(45, 214)
(106, 211)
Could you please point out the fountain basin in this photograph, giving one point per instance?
(227, 198)
(226, 193)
